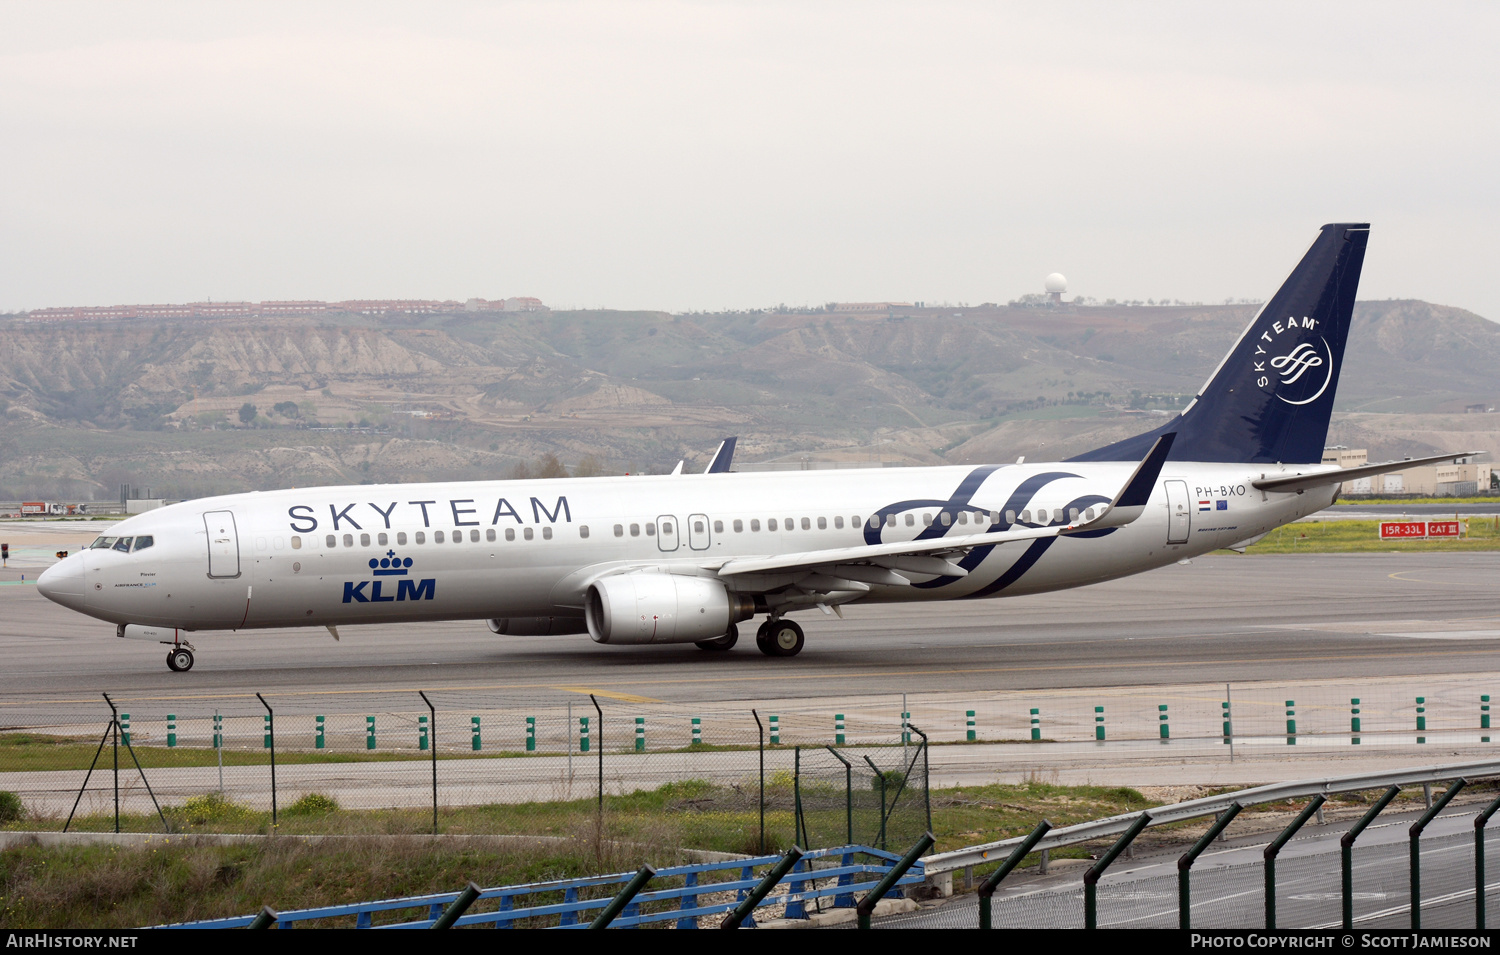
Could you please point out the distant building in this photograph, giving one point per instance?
(229, 310)
(1477, 409)
(868, 306)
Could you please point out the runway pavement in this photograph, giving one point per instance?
(1217, 619)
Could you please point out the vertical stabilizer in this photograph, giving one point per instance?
(1271, 397)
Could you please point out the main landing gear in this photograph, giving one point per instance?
(779, 638)
(179, 659)
(725, 642)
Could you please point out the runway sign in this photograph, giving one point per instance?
(1419, 530)
(1398, 530)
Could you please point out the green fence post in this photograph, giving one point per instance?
(838, 729)
(1099, 723)
(640, 734)
(583, 733)
(1164, 728)
(622, 898)
(125, 728)
(476, 742)
(1484, 716)
(905, 733)
(422, 733)
(1346, 852)
(748, 904)
(265, 742)
(218, 731)
(1228, 724)
(988, 886)
(697, 731)
(970, 734)
(171, 729)
(1415, 835)
(775, 729)
(1291, 722)
(1421, 718)
(456, 908)
(369, 732)
(1272, 850)
(1354, 721)
(531, 734)
(1096, 871)
(1480, 821)
(1185, 864)
(318, 736)
(1036, 724)
(872, 898)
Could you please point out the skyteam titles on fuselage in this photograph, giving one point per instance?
(305, 520)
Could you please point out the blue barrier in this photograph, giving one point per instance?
(571, 909)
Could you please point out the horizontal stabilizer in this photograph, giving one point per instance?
(1303, 482)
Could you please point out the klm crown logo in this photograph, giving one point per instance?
(390, 565)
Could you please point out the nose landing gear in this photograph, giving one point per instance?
(179, 659)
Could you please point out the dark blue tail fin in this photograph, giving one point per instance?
(1271, 398)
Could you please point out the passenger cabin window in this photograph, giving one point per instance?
(330, 541)
(421, 537)
(806, 524)
(296, 542)
(718, 527)
(822, 523)
(1010, 517)
(666, 527)
(838, 522)
(348, 540)
(401, 538)
(383, 539)
(619, 530)
(364, 540)
(854, 521)
(927, 520)
(739, 526)
(698, 527)
(790, 523)
(754, 524)
(437, 537)
(890, 520)
(489, 535)
(635, 530)
(963, 517)
(911, 519)
(650, 530)
(1072, 513)
(546, 533)
(583, 530)
(771, 524)
(1026, 516)
(123, 544)
(473, 537)
(510, 533)
(528, 534)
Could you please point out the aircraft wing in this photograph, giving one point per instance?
(1303, 482)
(912, 556)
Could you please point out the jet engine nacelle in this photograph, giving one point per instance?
(537, 626)
(661, 608)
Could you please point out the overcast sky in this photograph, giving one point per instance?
(726, 155)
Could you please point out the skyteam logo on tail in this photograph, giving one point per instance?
(1296, 369)
(389, 566)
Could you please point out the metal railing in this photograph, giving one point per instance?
(840, 880)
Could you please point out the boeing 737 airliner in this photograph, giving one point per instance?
(684, 558)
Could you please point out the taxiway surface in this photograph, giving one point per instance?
(1219, 618)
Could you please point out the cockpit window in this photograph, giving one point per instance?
(103, 542)
(141, 543)
(123, 544)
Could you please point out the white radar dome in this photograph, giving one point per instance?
(1057, 283)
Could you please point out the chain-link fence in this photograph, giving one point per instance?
(456, 761)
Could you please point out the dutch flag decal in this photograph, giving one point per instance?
(1205, 506)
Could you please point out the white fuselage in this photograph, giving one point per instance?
(520, 549)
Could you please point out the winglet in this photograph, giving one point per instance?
(722, 457)
(1130, 503)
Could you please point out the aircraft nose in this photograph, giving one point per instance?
(63, 582)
